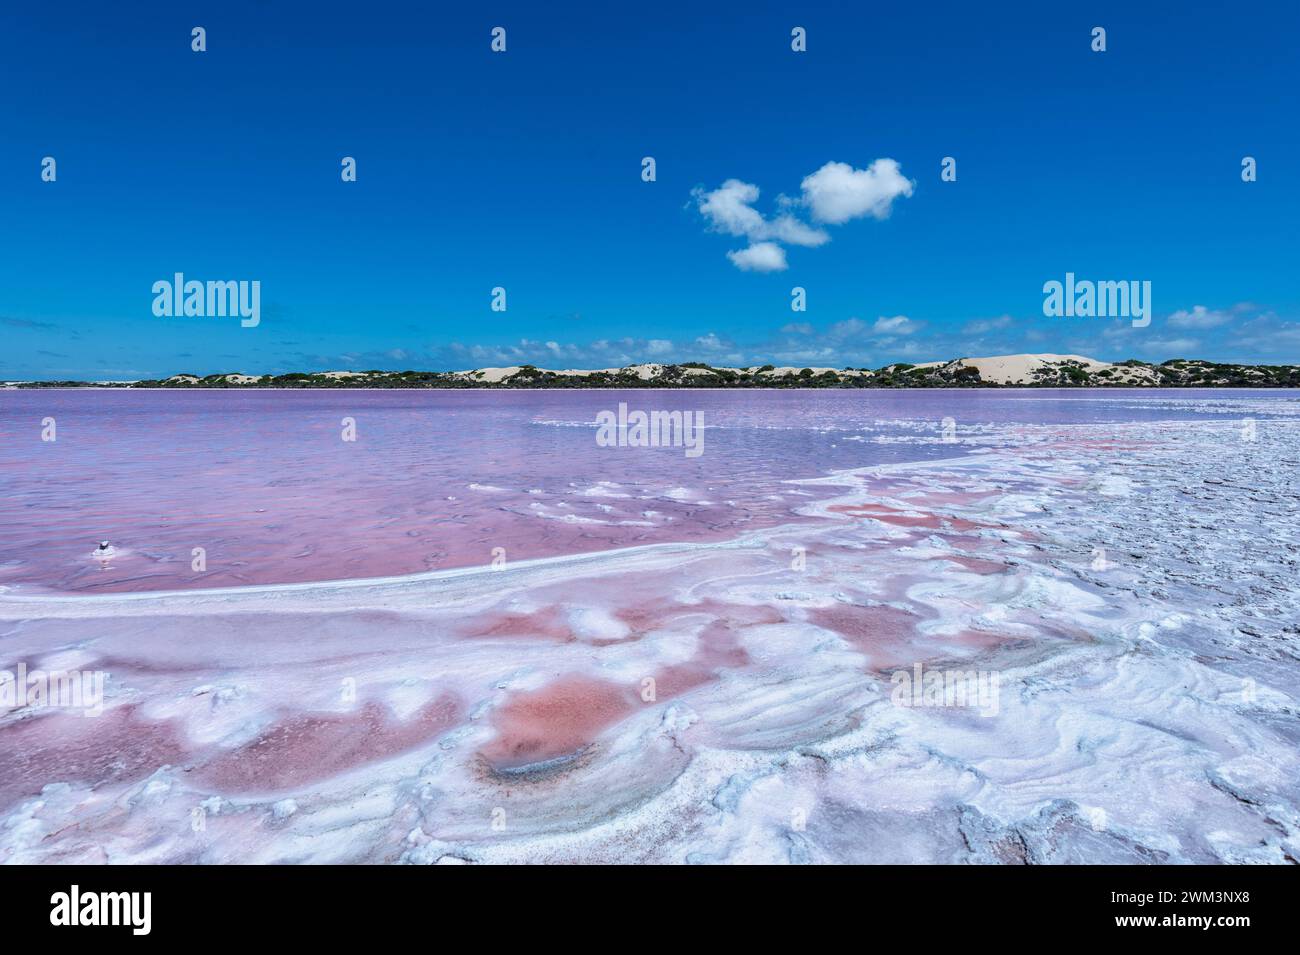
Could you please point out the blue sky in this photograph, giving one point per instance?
(523, 170)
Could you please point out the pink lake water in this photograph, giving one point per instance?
(263, 482)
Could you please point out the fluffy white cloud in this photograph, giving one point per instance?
(730, 210)
(837, 192)
(760, 257)
(833, 194)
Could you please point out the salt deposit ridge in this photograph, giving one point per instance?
(1132, 583)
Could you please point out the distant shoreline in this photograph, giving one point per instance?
(95, 386)
(1002, 371)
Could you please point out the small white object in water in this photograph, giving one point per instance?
(105, 549)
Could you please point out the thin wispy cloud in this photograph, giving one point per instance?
(1168, 346)
(1199, 317)
(25, 323)
(985, 325)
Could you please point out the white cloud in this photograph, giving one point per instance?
(760, 257)
(1269, 333)
(849, 328)
(833, 194)
(883, 327)
(1198, 317)
(729, 208)
(600, 353)
(1170, 345)
(797, 328)
(837, 192)
(898, 325)
(806, 356)
(790, 230)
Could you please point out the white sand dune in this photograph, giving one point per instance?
(1020, 369)
(997, 369)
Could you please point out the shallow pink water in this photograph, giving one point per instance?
(264, 484)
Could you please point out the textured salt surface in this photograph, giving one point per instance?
(1132, 584)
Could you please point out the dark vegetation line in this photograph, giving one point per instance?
(1176, 373)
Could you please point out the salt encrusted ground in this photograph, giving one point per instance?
(1134, 586)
